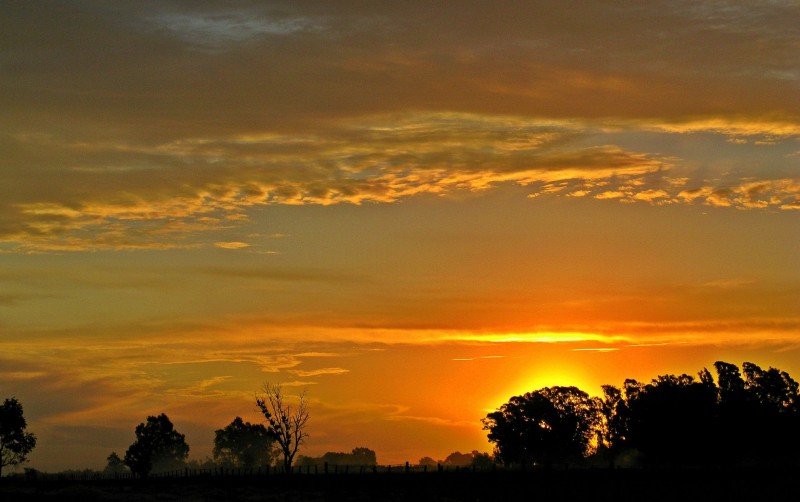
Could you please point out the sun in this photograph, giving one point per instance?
(548, 374)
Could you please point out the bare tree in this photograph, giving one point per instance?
(286, 425)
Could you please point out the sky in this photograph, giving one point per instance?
(411, 211)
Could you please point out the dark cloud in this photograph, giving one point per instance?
(285, 64)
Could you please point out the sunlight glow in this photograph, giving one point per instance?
(536, 337)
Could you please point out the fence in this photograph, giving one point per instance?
(225, 472)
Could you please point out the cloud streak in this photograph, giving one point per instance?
(375, 104)
(210, 184)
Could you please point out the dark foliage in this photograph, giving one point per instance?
(362, 457)
(115, 465)
(158, 447)
(243, 445)
(547, 426)
(686, 421)
(15, 443)
(670, 421)
(746, 419)
(483, 461)
(458, 459)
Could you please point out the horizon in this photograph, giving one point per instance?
(412, 211)
(205, 448)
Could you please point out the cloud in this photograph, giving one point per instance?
(231, 245)
(738, 130)
(777, 193)
(324, 104)
(379, 159)
(298, 383)
(8, 300)
(320, 371)
(22, 375)
(279, 274)
(444, 422)
(217, 30)
(476, 358)
(610, 194)
(651, 195)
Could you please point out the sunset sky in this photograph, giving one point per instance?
(412, 210)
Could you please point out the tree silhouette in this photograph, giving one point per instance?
(364, 456)
(429, 461)
(114, 464)
(158, 447)
(671, 420)
(735, 432)
(553, 424)
(458, 459)
(774, 390)
(286, 425)
(773, 412)
(15, 443)
(358, 457)
(750, 420)
(481, 460)
(242, 444)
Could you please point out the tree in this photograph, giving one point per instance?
(772, 388)
(773, 414)
(286, 425)
(359, 457)
(115, 464)
(427, 461)
(158, 447)
(670, 420)
(458, 459)
(553, 424)
(364, 456)
(15, 443)
(742, 420)
(482, 460)
(243, 445)
(729, 382)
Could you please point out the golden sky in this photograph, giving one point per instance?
(413, 210)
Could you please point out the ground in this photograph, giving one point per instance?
(547, 485)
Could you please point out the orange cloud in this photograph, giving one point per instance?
(231, 245)
(382, 158)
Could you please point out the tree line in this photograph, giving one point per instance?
(744, 418)
(159, 447)
(239, 445)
